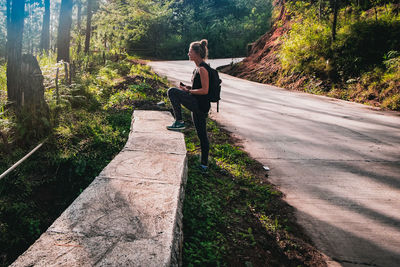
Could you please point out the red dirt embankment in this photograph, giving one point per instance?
(262, 64)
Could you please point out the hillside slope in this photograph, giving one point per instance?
(362, 64)
(262, 64)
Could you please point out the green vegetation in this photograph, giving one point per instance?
(89, 126)
(89, 115)
(164, 29)
(232, 216)
(3, 86)
(361, 64)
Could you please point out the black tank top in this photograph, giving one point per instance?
(202, 100)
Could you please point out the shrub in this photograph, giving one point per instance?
(306, 48)
(3, 85)
(392, 102)
(362, 46)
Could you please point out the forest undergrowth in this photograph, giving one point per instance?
(89, 124)
(361, 64)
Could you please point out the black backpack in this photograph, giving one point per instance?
(214, 90)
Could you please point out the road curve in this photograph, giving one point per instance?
(337, 162)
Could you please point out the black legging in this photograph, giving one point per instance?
(179, 97)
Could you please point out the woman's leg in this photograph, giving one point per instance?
(199, 119)
(178, 98)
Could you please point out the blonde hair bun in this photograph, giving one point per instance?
(200, 47)
(204, 42)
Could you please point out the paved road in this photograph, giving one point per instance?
(337, 162)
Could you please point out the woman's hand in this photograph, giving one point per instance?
(185, 88)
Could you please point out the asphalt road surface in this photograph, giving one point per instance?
(337, 162)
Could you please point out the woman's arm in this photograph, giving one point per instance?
(204, 83)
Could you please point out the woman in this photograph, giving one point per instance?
(194, 98)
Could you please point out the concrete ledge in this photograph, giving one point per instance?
(131, 214)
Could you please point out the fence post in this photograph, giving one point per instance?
(57, 92)
(66, 72)
(70, 74)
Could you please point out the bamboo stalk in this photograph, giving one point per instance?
(57, 92)
(20, 161)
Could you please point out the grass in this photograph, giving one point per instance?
(232, 216)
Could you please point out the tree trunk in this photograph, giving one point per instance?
(14, 49)
(8, 13)
(64, 30)
(283, 10)
(34, 112)
(8, 18)
(32, 83)
(45, 37)
(88, 25)
(79, 18)
(335, 15)
(31, 44)
(79, 15)
(320, 10)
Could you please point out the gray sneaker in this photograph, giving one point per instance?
(177, 126)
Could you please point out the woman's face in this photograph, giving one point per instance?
(192, 54)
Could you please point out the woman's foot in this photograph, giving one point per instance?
(177, 126)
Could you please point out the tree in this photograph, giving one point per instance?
(14, 49)
(79, 19)
(8, 12)
(45, 37)
(88, 25)
(79, 13)
(166, 28)
(8, 18)
(64, 30)
(336, 7)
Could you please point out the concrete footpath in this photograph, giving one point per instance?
(131, 214)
